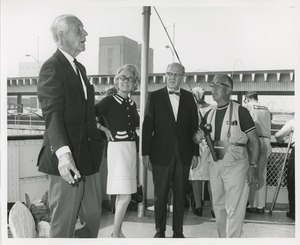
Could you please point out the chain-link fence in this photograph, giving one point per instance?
(275, 164)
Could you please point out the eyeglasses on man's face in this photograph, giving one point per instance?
(129, 79)
(171, 74)
(218, 85)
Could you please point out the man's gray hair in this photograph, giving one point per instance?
(223, 78)
(60, 25)
(178, 64)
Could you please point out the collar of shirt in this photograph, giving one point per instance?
(69, 58)
(223, 107)
(172, 90)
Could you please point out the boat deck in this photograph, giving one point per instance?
(255, 225)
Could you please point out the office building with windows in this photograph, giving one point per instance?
(117, 51)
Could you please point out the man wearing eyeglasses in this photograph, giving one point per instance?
(231, 175)
(168, 149)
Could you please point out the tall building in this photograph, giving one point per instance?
(117, 51)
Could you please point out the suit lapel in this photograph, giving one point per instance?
(73, 78)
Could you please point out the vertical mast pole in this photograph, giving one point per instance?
(142, 175)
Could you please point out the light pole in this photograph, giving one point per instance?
(38, 55)
(167, 46)
(37, 61)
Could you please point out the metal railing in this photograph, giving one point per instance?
(24, 119)
(275, 163)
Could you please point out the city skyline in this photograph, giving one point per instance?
(223, 37)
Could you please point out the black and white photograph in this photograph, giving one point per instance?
(128, 121)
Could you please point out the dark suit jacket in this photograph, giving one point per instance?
(160, 130)
(69, 118)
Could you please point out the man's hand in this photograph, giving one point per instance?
(65, 164)
(194, 163)
(147, 163)
(198, 136)
(255, 147)
(252, 175)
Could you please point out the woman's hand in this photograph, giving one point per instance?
(107, 132)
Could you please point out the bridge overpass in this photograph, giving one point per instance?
(265, 82)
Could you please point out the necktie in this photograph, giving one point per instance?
(76, 65)
(81, 78)
(176, 93)
(79, 72)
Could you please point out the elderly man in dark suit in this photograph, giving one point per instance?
(168, 149)
(72, 147)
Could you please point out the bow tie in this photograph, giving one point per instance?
(176, 93)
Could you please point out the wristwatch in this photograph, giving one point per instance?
(253, 164)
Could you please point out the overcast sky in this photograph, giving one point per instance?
(208, 37)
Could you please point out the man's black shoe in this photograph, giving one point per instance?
(160, 234)
(250, 210)
(178, 235)
(213, 213)
(290, 215)
(260, 210)
(198, 211)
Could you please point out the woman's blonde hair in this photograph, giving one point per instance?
(134, 70)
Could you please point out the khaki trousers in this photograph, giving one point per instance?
(257, 196)
(68, 202)
(230, 194)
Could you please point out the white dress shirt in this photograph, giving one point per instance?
(174, 102)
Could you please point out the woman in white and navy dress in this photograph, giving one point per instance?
(121, 119)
